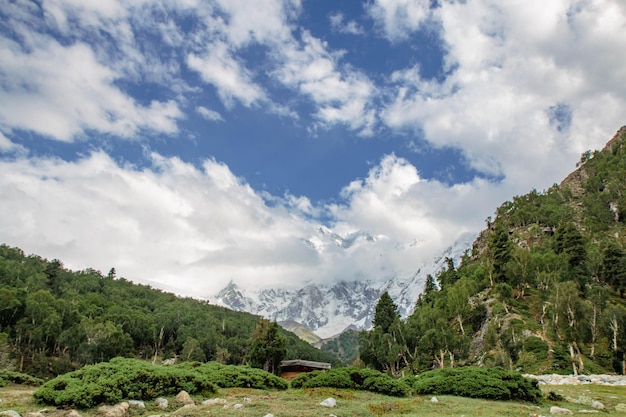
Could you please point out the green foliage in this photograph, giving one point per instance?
(119, 379)
(111, 382)
(475, 382)
(56, 320)
(232, 376)
(345, 346)
(352, 378)
(267, 349)
(386, 312)
(500, 249)
(20, 378)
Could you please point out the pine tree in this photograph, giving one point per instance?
(613, 268)
(569, 243)
(267, 349)
(500, 249)
(429, 288)
(386, 313)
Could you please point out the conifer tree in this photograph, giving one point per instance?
(268, 346)
(386, 313)
(500, 249)
(613, 268)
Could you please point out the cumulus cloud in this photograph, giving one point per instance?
(231, 79)
(341, 96)
(399, 18)
(61, 92)
(194, 229)
(540, 85)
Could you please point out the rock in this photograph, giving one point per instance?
(329, 402)
(170, 361)
(561, 411)
(73, 413)
(212, 401)
(161, 403)
(136, 404)
(118, 410)
(35, 414)
(620, 407)
(183, 397)
(268, 415)
(238, 406)
(597, 405)
(434, 400)
(10, 413)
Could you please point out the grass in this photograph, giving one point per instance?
(305, 403)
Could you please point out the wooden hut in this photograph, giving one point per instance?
(291, 369)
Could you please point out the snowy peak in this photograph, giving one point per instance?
(329, 309)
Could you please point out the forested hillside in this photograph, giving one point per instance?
(542, 289)
(53, 320)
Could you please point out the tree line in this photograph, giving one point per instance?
(53, 320)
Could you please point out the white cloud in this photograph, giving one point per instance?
(342, 96)
(511, 64)
(63, 91)
(209, 114)
(399, 18)
(232, 81)
(7, 146)
(351, 27)
(194, 229)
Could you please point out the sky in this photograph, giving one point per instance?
(187, 143)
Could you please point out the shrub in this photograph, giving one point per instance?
(121, 378)
(231, 376)
(20, 378)
(354, 378)
(474, 382)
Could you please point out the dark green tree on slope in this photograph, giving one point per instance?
(267, 349)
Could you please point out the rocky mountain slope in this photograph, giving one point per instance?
(329, 309)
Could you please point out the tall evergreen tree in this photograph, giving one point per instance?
(570, 243)
(267, 349)
(613, 268)
(386, 313)
(427, 294)
(500, 249)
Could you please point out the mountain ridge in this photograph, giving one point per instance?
(330, 309)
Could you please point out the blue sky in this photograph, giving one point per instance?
(189, 142)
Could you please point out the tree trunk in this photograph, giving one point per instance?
(571, 353)
(594, 323)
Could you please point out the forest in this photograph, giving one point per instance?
(54, 320)
(541, 290)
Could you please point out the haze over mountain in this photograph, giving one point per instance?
(191, 143)
(329, 309)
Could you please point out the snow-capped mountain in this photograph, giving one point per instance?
(329, 309)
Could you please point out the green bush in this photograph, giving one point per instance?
(474, 382)
(120, 379)
(231, 376)
(354, 378)
(20, 378)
